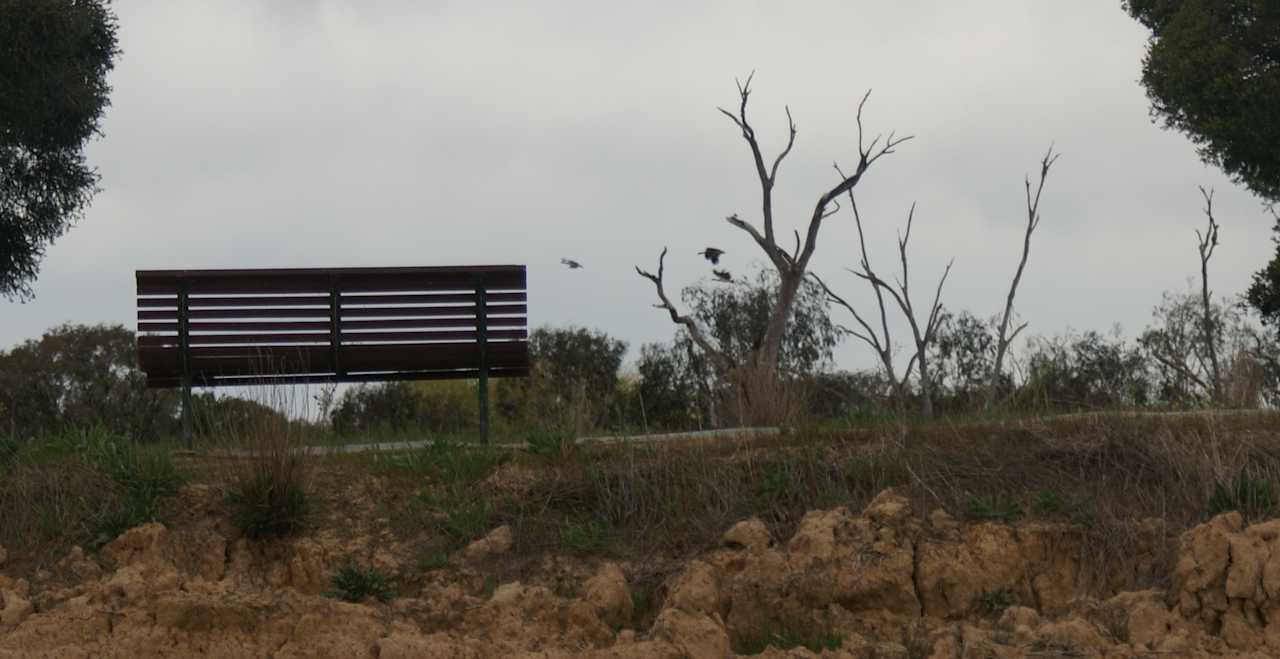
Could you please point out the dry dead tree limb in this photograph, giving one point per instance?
(695, 333)
(1005, 338)
(1206, 243)
(791, 266)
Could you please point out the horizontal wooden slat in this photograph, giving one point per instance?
(431, 298)
(237, 313)
(239, 326)
(494, 335)
(236, 339)
(230, 361)
(424, 323)
(462, 310)
(319, 280)
(294, 338)
(261, 301)
(241, 381)
(152, 302)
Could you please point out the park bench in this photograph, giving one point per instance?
(209, 328)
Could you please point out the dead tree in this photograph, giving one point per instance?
(1206, 242)
(880, 341)
(1004, 338)
(900, 291)
(790, 265)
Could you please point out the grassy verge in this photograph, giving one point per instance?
(1100, 473)
(81, 488)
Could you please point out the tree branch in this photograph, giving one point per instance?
(768, 176)
(866, 157)
(695, 332)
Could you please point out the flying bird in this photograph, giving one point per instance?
(722, 275)
(712, 254)
(573, 265)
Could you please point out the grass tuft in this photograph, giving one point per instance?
(994, 508)
(355, 584)
(1252, 497)
(788, 633)
(993, 602)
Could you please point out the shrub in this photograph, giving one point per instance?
(466, 517)
(355, 584)
(584, 537)
(993, 602)
(993, 508)
(788, 633)
(550, 443)
(1250, 496)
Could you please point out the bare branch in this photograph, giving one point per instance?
(775, 254)
(791, 140)
(768, 176)
(1003, 338)
(694, 332)
(1206, 243)
(866, 156)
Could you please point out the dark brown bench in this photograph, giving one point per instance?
(208, 328)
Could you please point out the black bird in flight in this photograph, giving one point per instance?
(722, 275)
(573, 265)
(712, 254)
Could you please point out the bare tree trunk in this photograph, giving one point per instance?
(1005, 338)
(926, 388)
(1207, 242)
(791, 266)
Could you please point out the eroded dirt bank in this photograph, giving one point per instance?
(888, 582)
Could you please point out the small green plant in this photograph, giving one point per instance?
(585, 537)
(1250, 496)
(436, 560)
(144, 476)
(270, 501)
(549, 442)
(355, 584)
(993, 602)
(993, 508)
(788, 633)
(775, 484)
(565, 586)
(918, 648)
(465, 518)
(443, 461)
(1050, 502)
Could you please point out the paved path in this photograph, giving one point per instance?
(409, 445)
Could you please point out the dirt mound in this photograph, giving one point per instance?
(883, 583)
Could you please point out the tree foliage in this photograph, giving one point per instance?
(77, 376)
(1212, 71)
(736, 317)
(54, 59)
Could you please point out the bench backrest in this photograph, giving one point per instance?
(237, 327)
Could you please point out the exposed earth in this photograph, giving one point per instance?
(885, 582)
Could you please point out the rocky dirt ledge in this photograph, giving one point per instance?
(887, 582)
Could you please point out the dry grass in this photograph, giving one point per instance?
(1100, 473)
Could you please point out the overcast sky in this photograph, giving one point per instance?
(285, 134)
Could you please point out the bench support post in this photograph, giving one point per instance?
(184, 347)
(482, 339)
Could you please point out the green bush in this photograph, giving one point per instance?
(355, 584)
(993, 508)
(993, 602)
(466, 517)
(271, 500)
(788, 633)
(1250, 496)
(549, 443)
(584, 537)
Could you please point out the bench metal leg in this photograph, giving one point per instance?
(186, 414)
